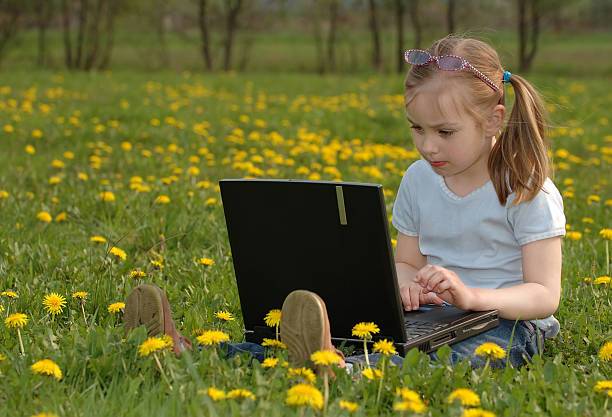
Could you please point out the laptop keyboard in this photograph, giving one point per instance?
(416, 329)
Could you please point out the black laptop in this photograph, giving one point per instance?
(331, 238)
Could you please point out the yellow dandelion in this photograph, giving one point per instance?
(47, 367)
(212, 337)
(273, 343)
(119, 253)
(385, 347)
(210, 201)
(151, 345)
(162, 199)
(477, 412)
(107, 196)
(349, 406)
(305, 395)
(61, 217)
(97, 239)
(44, 216)
(54, 180)
(54, 303)
(137, 274)
(573, 235)
(3, 194)
(224, 315)
(241, 393)
(302, 372)
(606, 234)
(216, 394)
(365, 330)
(491, 350)
(82, 295)
(467, 397)
(603, 386)
(30, 149)
(605, 353)
(116, 307)
(206, 262)
(408, 394)
(10, 294)
(269, 363)
(602, 280)
(415, 407)
(325, 358)
(372, 374)
(157, 264)
(273, 317)
(16, 320)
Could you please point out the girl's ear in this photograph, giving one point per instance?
(495, 120)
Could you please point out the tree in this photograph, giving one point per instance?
(399, 26)
(375, 31)
(10, 15)
(204, 33)
(450, 16)
(529, 30)
(232, 8)
(44, 11)
(95, 30)
(416, 23)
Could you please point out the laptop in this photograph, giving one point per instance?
(331, 238)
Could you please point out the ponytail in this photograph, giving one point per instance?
(518, 161)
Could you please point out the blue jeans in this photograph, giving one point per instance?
(527, 342)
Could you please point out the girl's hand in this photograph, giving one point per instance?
(446, 285)
(412, 296)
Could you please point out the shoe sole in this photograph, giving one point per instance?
(144, 306)
(302, 326)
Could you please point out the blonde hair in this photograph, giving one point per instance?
(518, 161)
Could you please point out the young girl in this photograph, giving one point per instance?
(479, 223)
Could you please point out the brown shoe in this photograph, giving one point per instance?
(148, 305)
(304, 327)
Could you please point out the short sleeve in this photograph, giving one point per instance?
(540, 218)
(405, 214)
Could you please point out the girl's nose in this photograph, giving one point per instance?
(430, 146)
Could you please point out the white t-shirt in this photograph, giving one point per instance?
(475, 236)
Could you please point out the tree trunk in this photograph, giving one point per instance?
(67, 42)
(233, 9)
(44, 9)
(84, 7)
(529, 31)
(110, 33)
(161, 32)
(399, 21)
(318, 35)
(331, 38)
(416, 23)
(376, 52)
(204, 35)
(94, 35)
(450, 16)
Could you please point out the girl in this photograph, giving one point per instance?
(479, 223)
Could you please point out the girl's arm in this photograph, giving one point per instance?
(408, 261)
(537, 297)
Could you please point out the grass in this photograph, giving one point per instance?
(265, 125)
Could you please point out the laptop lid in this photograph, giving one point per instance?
(328, 237)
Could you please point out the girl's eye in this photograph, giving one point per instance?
(446, 132)
(416, 128)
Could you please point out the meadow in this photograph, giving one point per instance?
(131, 160)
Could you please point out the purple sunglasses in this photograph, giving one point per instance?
(446, 63)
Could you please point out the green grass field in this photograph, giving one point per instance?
(67, 138)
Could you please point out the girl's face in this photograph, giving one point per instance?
(454, 143)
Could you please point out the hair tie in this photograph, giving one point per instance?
(507, 75)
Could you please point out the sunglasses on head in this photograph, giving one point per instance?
(446, 63)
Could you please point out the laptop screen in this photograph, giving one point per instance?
(328, 237)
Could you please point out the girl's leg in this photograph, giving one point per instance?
(526, 343)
